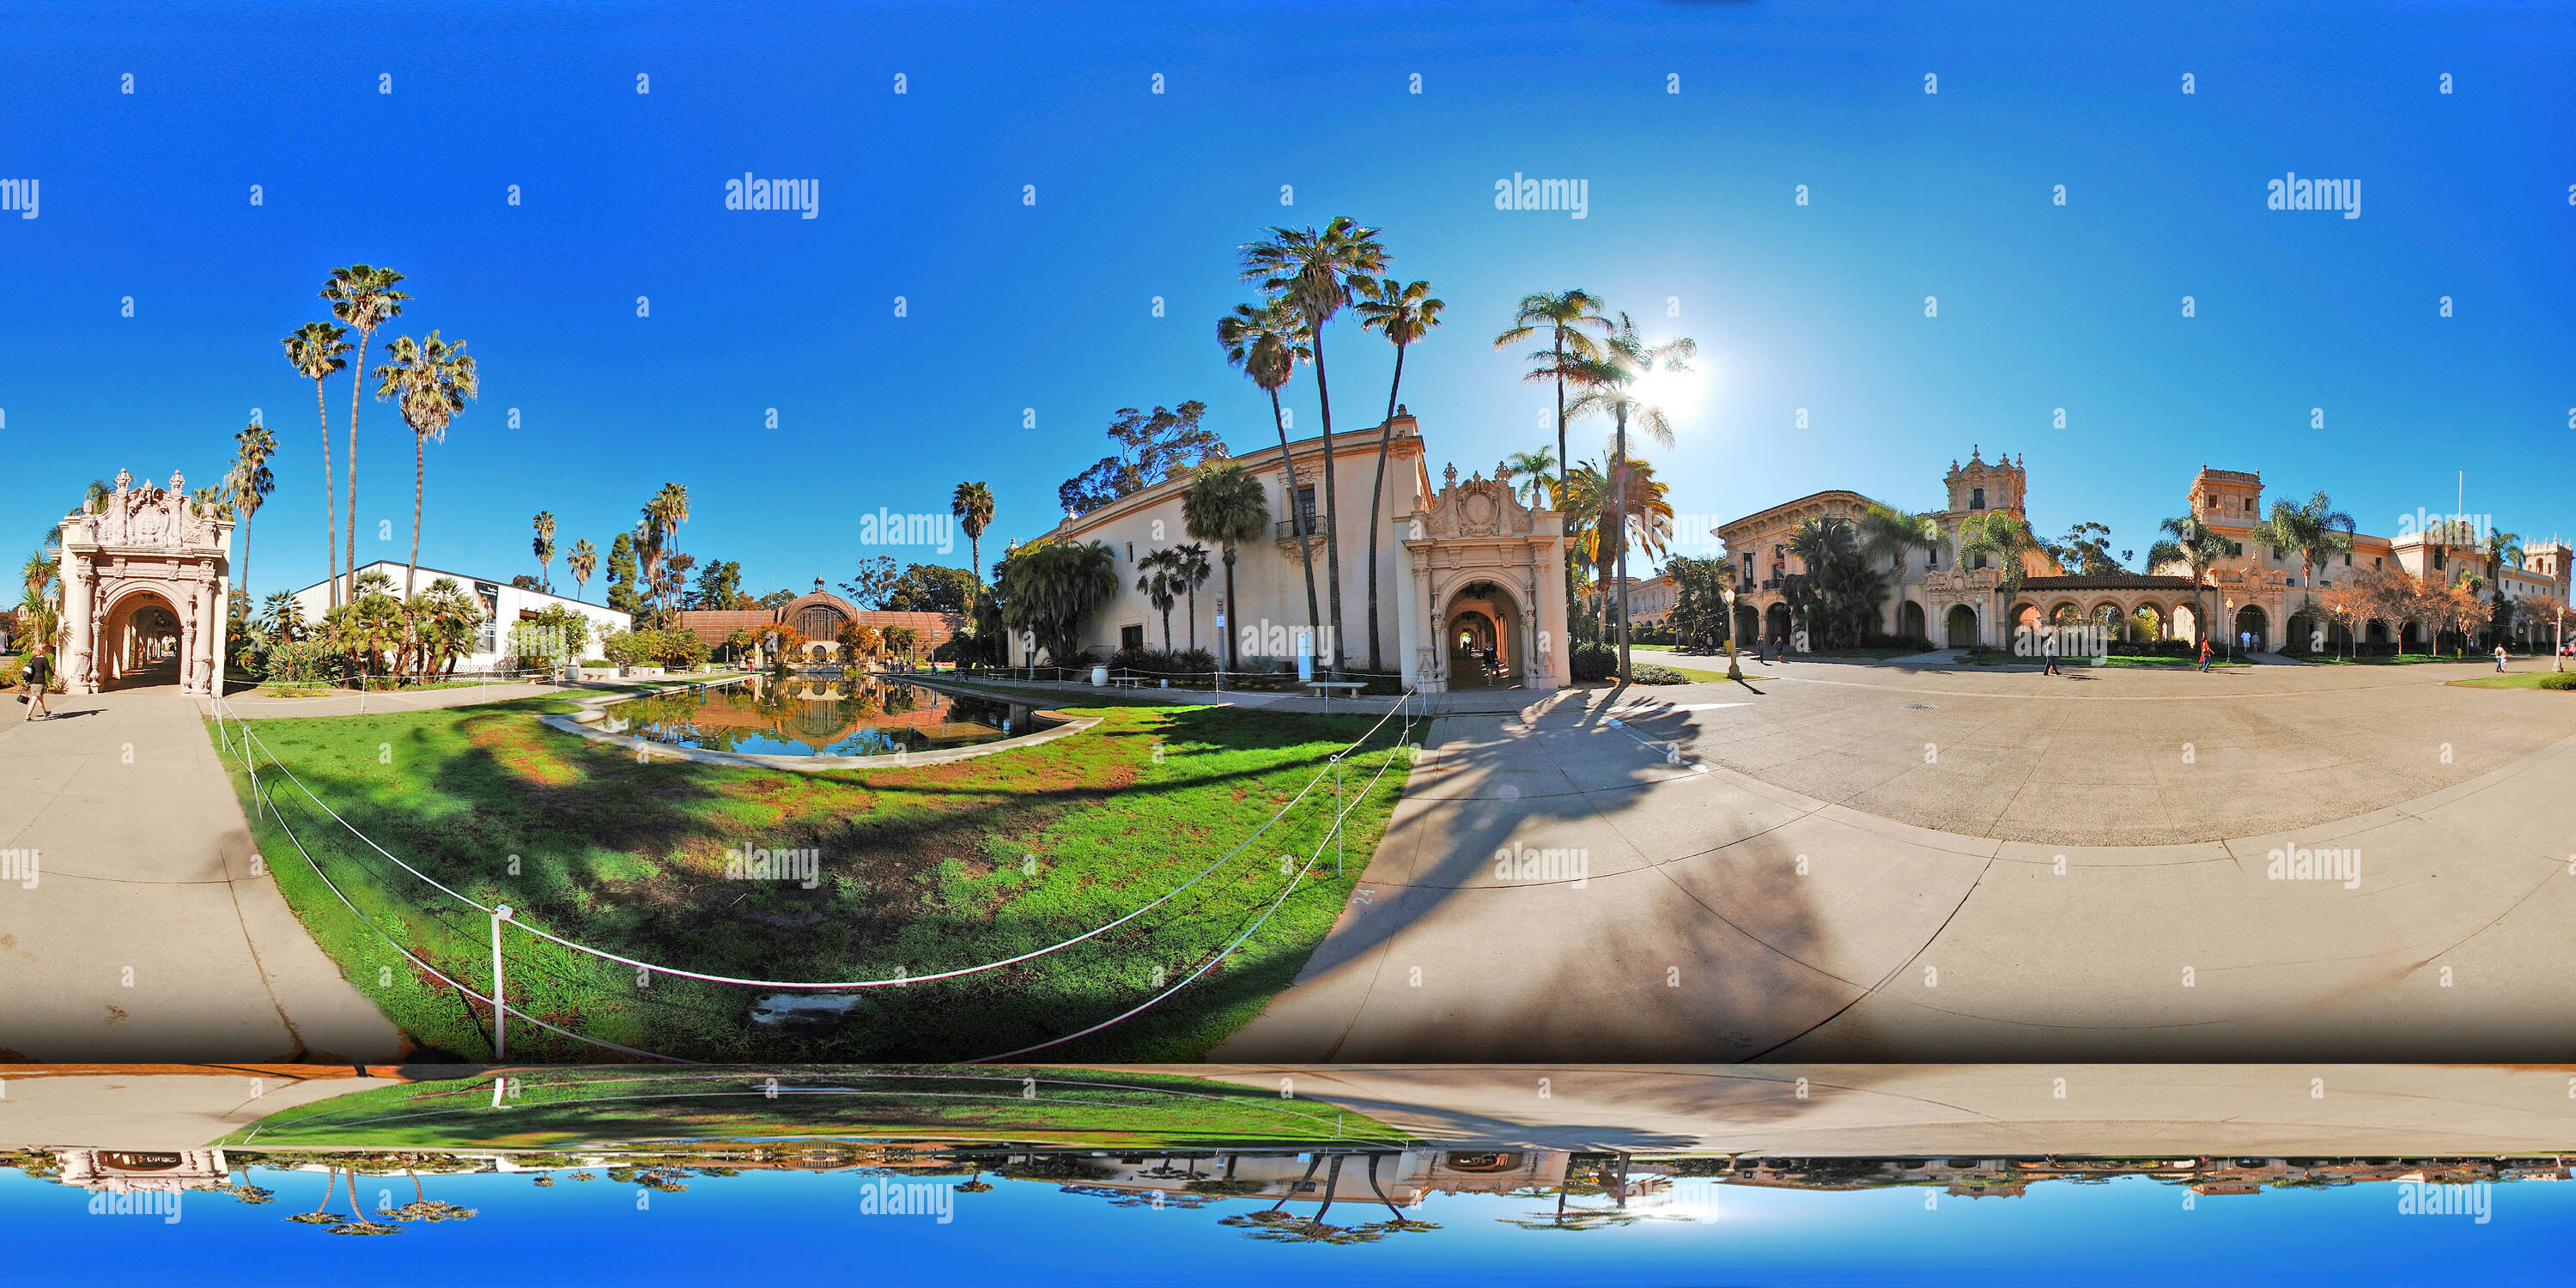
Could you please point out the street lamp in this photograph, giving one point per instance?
(1726, 596)
(2231, 629)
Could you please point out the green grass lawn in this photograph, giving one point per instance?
(561, 1107)
(920, 870)
(2566, 680)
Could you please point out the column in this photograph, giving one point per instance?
(79, 675)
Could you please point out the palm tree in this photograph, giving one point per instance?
(581, 563)
(1155, 580)
(544, 548)
(2004, 537)
(1610, 384)
(1403, 314)
(250, 484)
(315, 351)
(361, 296)
(1311, 272)
(1224, 504)
(2196, 546)
(2501, 548)
(1267, 342)
(429, 382)
(2316, 532)
(972, 503)
(669, 509)
(1564, 315)
(1190, 565)
(282, 618)
(1892, 534)
(1532, 468)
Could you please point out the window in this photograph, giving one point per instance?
(2437, 556)
(1131, 636)
(2249, 505)
(2374, 561)
(1306, 511)
(1748, 565)
(1131, 552)
(1981, 561)
(1977, 499)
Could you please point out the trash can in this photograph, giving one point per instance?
(1100, 677)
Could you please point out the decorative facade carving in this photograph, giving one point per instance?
(145, 549)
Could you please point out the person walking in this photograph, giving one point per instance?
(2204, 655)
(2048, 652)
(39, 675)
(2500, 656)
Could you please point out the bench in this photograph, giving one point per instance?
(1324, 688)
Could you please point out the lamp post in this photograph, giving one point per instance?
(2231, 629)
(1726, 596)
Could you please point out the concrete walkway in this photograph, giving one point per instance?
(149, 933)
(1662, 906)
(167, 1107)
(2168, 1110)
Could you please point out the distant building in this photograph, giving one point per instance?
(817, 617)
(502, 603)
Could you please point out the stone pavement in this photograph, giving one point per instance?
(1669, 898)
(1873, 1110)
(168, 1107)
(146, 934)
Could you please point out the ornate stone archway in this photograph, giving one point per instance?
(1473, 534)
(146, 551)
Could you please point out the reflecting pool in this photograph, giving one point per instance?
(818, 715)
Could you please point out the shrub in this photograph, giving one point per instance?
(302, 662)
(1649, 673)
(1594, 661)
(2561, 680)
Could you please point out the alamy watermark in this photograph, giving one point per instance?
(804, 196)
(2290, 192)
(886, 528)
(2296, 862)
(2433, 1198)
(21, 866)
(161, 1203)
(1519, 193)
(804, 867)
(892, 1196)
(18, 195)
(1517, 862)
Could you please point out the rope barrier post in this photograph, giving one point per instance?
(500, 1012)
(1337, 816)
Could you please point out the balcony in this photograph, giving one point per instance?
(1289, 530)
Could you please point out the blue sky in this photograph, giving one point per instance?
(1046, 310)
(783, 1229)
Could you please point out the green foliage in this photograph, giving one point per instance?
(719, 585)
(622, 595)
(2563, 681)
(930, 588)
(1151, 446)
(1049, 588)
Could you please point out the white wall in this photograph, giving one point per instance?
(506, 604)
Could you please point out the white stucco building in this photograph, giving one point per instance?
(1471, 582)
(502, 603)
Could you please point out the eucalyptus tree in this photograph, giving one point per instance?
(1224, 504)
(362, 296)
(429, 382)
(1267, 341)
(317, 350)
(1403, 314)
(1311, 272)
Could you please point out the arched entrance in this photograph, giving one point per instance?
(1960, 626)
(1909, 621)
(1775, 622)
(1748, 624)
(2250, 621)
(140, 641)
(1481, 635)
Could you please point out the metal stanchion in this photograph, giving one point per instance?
(500, 1016)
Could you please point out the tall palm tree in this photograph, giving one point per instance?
(1532, 468)
(429, 382)
(1403, 314)
(1565, 316)
(544, 548)
(2316, 532)
(2005, 538)
(1267, 341)
(1224, 504)
(670, 509)
(972, 503)
(250, 484)
(1190, 565)
(1609, 384)
(1892, 534)
(581, 563)
(2501, 548)
(2196, 546)
(361, 296)
(316, 350)
(1157, 581)
(1311, 273)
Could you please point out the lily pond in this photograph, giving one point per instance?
(819, 715)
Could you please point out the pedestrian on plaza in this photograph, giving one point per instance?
(39, 674)
(2500, 656)
(2048, 653)
(2204, 655)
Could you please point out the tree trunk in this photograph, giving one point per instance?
(1377, 495)
(411, 574)
(1296, 527)
(1332, 504)
(1618, 525)
(1233, 660)
(355, 393)
(330, 507)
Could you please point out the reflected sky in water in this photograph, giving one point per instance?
(774, 1228)
(817, 715)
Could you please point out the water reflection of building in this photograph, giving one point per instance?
(1405, 1177)
(118, 1171)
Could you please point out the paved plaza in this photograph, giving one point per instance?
(1926, 863)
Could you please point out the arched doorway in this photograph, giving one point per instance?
(1480, 634)
(1960, 626)
(140, 641)
(1909, 621)
(2250, 621)
(1775, 622)
(1748, 624)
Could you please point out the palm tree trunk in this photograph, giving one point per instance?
(1619, 517)
(1193, 619)
(355, 393)
(1300, 1186)
(330, 507)
(1233, 660)
(1377, 495)
(1392, 1209)
(1296, 525)
(1167, 630)
(1332, 503)
(411, 574)
(244, 584)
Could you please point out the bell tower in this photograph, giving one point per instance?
(1978, 486)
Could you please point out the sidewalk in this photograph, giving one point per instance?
(150, 931)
